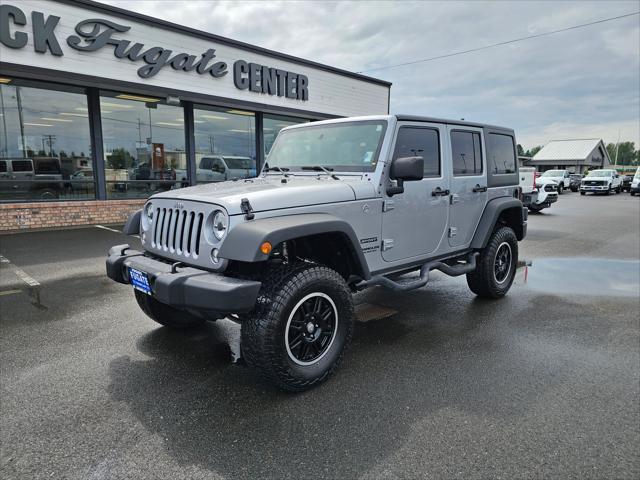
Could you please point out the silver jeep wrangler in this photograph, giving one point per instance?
(340, 205)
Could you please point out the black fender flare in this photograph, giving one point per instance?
(490, 216)
(243, 241)
(132, 226)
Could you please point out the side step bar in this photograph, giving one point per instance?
(423, 278)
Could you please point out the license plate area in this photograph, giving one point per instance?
(139, 280)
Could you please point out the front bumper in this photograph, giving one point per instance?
(594, 188)
(185, 288)
(635, 189)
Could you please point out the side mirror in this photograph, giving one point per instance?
(405, 169)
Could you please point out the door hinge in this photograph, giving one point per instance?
(387, 205)
(453, 231)
(387, 244)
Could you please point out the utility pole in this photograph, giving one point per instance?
(617, 147)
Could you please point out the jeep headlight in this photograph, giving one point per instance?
(220, 224)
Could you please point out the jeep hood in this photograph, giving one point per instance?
(271, 194)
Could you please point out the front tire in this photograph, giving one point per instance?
(164, 314)
(297, 335)
(583, 193)
(496, 265)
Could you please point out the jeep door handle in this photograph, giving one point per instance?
(478, 188)
(438, 192)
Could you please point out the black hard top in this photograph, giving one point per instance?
(462, 123)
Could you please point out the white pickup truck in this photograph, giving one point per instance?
(218, 168)
(561, 177)
(537, 192)
(604, 181)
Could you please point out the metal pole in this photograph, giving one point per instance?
(20, 119)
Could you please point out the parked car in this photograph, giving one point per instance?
(153, 179)
(546, 194)
(82, 181)
(574, 182)
(635, 183)
(26, 178)
(218, 168)
(344, 205)
(604, 181)
(626, 183)
(561, 177)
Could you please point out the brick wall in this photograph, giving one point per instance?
(51, 215)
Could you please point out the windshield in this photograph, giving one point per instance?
(238, 163)
(599, 173)
(345, 147)
(553, 173)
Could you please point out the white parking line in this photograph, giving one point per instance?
(113, 230)
(9, 292)
(21, 274)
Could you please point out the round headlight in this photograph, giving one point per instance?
(148, 211)
(220, 224)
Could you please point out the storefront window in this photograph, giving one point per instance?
(144, 145)
(272, 124)
(225, 144)
(45, 145)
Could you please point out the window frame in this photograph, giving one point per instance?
(480, 135)
(420, 127)
(515, 153)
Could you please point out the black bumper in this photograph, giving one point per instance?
(188, 287)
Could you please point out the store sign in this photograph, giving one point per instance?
(95, 34)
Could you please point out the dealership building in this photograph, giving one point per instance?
(101, 107)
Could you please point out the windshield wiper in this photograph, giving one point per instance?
(320, 168)
(267, 168)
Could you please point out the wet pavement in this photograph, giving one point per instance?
(543, 383)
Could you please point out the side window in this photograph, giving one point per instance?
(420, 142)
(502, 158)
(3, 167)
(218, 166)
(466, 153)
(21, 166)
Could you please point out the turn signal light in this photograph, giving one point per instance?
(266, 248)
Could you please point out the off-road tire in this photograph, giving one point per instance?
(560, 189)
(482, 281)
(609, 191)
(166, 315)
(264, 333)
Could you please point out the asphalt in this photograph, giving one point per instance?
(544, 383)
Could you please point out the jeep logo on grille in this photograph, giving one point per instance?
(178, 205)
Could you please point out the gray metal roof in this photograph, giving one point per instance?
(578, 149)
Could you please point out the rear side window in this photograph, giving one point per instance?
(466, 153)
(502, 158)
(21, 165)
(3, 167)
(420, 142)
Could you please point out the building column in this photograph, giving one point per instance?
(190, 143)
(97, 146)
(259, 142)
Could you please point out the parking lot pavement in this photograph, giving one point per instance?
(543, 383)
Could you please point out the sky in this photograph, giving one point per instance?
(584, 83)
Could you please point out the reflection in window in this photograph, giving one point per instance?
(44, 142)
(271, 126)
(225, 144)
(465, 153)
(420, 142)
(144, 145)
(502, 158)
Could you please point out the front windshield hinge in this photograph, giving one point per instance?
(245, 206)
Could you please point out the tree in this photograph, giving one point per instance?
(627, 153)
(520, 150)
(119, 159)
(531, 152)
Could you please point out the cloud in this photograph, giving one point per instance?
(584, 80)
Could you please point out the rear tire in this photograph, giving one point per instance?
(303, 321)
(166, 315)
(496, 265)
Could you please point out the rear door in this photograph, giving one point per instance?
(468, 183)
(414, 222)
(23, 175)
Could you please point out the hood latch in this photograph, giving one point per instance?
(245, 206)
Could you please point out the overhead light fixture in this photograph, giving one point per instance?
(69, 114)
(214, 117)
(37, 124)
(114, 105)
(56, 119)
(125, 96)
(169, 124)
(241, 112)
(236, 130)
(5, 80)
(173, 100)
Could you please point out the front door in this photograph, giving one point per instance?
(468, 183)
(414, 222)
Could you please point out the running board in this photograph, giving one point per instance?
(423, 278)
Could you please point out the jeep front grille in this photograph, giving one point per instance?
(177, 230)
